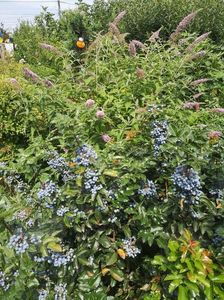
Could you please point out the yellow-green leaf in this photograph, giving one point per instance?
(182, 293)
(54, 247)
(117, 275)
(111, 173)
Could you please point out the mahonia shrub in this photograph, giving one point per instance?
(117, 193)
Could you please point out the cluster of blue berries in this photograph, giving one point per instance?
(130, 248)
(3, 281)
(159, 135)
(187, 182)
(104, 206)
(19, 242)
(48, 189)
(43, 294)
(57, 259)
(149, 189)
(30, 223)
(59, 164)
(152, 107)
(85, 156)
(60, 291)
(3, 164)
(68, 176)
(48, 193)
(35, 239)
(62, 210)
(113, 218)
(91, 178)
(79, 213)
(218, 241)
(56, 161)
(217, 193)
(16, 182)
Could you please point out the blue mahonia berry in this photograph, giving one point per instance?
(130, 248)
(148, 190)
(187, 183)
(91, 184)
(48, 189)
(85, 156)
(159, 135)
(19, 242)
(60, 291)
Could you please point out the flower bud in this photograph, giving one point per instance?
(89, 103)
(100, 114)
(106, 138)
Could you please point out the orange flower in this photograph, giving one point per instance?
(130, 134)
(141, 110)
(193, 244)
(121, 253)
(80, 43)
(71, 164)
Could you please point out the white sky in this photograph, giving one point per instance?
(13, 11)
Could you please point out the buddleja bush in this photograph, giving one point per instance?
(144, 17)
(101, 203)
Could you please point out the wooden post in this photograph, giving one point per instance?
(59, 8)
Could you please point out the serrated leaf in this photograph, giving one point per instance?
(219, 292)
(218, 279)
(209, 293)
(173, 286)
(172, 258)
(193, 287)
(158, 260)
(173, 245)
(202, 279)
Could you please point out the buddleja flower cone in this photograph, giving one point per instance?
(113, 25)
(182, 26)
(31, 75)
(199, 81)
(119, 17)
(197, 41)
(114, 29)
(133, 45)
(155, 36)
(196, 55)
(50, 48)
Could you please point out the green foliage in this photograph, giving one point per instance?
(88, 207)
(141, 19)
(144, 17)
(27, 38)
(189, 268)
